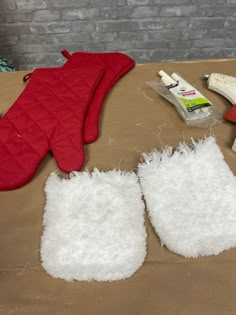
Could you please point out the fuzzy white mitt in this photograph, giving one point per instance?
(93, 226)
(191, 198)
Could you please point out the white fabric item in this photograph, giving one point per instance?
(191, 198)
(93, 226)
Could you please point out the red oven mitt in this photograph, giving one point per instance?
(115, 66)
(48, 115)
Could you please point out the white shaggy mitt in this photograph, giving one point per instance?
(191, 198)
(93, 226)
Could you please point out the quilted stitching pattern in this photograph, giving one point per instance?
(115, 66)
(48, 115)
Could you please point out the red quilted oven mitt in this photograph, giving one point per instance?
(48, 115)
(115, 66)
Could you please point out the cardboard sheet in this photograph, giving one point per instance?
(134, 120)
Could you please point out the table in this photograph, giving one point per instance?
(134, 119)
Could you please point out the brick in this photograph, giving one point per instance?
(107, 3)
(57, 48)
(138, 2)
(55, 59)
(230, 42)
(119, 45)
(104, 37)
(194, 34)
(142, 55)
(164, 34)
(117, 26)
(16, 17)
(229, 33)
(8, 40)
(83, 46)
(54, 27)
(180, 43)
(35, 59)
(230, 23)
(5, 51)
(92, 46)
(165, 23)
(151, 44)
(110, 13)
(79, 14)
(145, 12)
(82, 26)
(216, 11)
(61, 39)
(31, 4)
(29, 39)
(6, 5)
(179, 11)
(175, 23)
(159, 54)
(210, 2)
(13, 29)
(168, 55)
(168, 2)
(150, 35)
(208, 53)
(68, 4)
(207, 23)
(207, 42)
(133, 35)
(72, 47)
(215, 33)
(151, 24)
(31, 48)
(51, 39)
(46, 15)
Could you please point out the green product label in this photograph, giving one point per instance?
(192, 104)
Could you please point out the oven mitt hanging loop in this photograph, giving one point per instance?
(48, 115)
(115, 65)
(191, 199)
(93, 226)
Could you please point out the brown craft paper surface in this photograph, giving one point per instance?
(134, 119)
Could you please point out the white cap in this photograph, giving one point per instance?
(166, 79)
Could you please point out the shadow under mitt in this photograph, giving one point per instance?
(191, 199)
(93, 226)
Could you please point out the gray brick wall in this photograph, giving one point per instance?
(33, 32)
